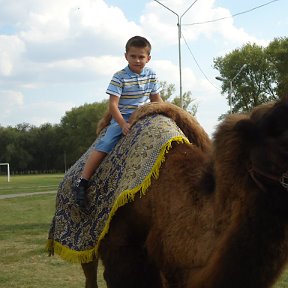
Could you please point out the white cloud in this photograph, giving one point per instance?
(10, 98)
(14, 111)
(9, 101)
(166, 70)
(45, 112)
(11, 48)
(104, 65)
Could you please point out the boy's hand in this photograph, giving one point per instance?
(125, 128)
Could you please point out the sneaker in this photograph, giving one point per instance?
(80, 196)
(80, 192)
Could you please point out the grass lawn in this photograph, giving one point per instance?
(24, 225)
(29, 183)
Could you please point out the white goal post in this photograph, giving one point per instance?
(8, 170)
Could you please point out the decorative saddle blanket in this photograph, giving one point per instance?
(75, 234)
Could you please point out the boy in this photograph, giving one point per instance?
(129, 88)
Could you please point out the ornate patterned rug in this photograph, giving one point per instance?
(75, 234)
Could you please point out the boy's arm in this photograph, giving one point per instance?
(156, 98)
(114, 110)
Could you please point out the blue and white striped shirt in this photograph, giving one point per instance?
(132, 88)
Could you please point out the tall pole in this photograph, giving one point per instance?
(231, 86)
(65, 168)
(8, 172)
(179, 18)
(230, 96)
(179, 59)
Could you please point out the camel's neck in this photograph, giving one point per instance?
(254, 248)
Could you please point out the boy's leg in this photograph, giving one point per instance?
(93, 161)
(103, 147)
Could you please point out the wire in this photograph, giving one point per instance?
(210, 21)
(198, 63)
(188, 8)
(234, 15)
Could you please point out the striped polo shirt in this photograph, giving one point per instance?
(132, 88)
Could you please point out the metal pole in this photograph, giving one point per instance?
(180, 60)
(243, 66)
(231, 85)
(179, 43)
(65, 162)
(230, 96)
(8, 172)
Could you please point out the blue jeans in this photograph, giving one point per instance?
(111, 137)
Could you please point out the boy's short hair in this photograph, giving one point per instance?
(138, 41)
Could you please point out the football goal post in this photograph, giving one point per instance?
(8, 170)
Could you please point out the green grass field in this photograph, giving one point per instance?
(24, 225)
(29, 183)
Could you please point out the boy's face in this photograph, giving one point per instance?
(137, 58)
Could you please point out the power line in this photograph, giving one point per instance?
(219, 19)
(210, 21)
(234, 15)
(194, 58)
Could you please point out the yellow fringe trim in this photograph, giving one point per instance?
(68, 254)
(125, 197)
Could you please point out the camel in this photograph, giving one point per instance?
(216, 217)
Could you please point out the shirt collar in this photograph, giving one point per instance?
(133, 74)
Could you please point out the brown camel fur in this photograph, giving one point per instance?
(218, 214)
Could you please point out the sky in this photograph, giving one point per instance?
(59, 54)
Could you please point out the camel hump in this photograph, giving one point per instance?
(185, 121)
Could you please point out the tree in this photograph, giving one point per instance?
(263, 79)
(253, 85)
(167, 95)
(188, 104)
(46, 148)
(278, 58)
(51, 147)
(14, 143)
(78, 129)
(167, 90)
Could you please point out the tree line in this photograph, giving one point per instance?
(54, 148)
(50, 148)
